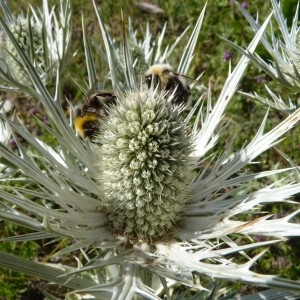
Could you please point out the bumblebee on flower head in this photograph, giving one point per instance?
(88, 116)
(161, 75)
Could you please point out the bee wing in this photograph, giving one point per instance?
(91, 91)
(194, 81)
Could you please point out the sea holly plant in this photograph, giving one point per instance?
(44, 35)
(282, 46)
(152, 208)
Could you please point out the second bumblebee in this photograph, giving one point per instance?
(88, 116)
(161, 75)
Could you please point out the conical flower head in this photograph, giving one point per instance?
(23, 33)
(144, 164)
(42, 36)
(29, 36)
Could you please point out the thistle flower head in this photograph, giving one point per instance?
(144, 165)
(42, 36)
(28, 34)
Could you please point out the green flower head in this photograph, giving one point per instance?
(144, 164)
(42, 35)
(28, 34)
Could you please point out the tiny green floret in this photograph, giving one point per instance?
(144, 165)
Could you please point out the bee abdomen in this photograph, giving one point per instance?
(182, 91)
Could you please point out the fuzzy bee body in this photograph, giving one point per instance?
(88, 116)
(161, 75)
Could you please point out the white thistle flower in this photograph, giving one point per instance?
(42, 36)
(22, 29)
(85, 182)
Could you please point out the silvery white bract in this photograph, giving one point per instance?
(77, 185)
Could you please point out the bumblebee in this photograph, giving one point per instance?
(161, 75)
(88, 116)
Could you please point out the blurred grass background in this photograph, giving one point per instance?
(223, 19)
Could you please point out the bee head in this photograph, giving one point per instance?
(98, 103)
(158, 74)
